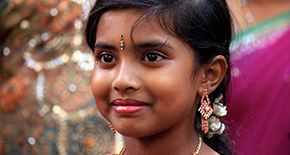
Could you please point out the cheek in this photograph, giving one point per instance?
(178, 93)
(101, 84)
(175, 101)
(174, 90)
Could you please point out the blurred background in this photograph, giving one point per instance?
(46, 104)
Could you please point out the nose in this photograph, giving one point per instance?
(126, 78)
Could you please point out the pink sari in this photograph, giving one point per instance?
(258, 117)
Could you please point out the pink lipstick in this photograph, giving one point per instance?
(128, 106)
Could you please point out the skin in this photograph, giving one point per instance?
(166, 126)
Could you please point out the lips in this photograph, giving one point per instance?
(128, 106)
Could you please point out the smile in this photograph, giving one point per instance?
(128, 106)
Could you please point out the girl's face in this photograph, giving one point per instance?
(148, 91)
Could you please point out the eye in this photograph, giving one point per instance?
(106, 58)
(153, 57)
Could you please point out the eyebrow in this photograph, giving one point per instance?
(105, 46)
(154, 44)
(145, 45)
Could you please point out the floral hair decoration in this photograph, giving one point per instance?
(215, 124)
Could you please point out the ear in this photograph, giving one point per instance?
(213, 74)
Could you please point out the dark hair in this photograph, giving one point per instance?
(205, 25)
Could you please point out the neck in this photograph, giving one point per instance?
(179, 141)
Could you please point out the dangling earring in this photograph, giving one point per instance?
(205, 110)
(112, 128)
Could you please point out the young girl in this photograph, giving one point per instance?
(160, 66)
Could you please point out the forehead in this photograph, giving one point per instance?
(119, 18)
(122, 21)
(113, 23)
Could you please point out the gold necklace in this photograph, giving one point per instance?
(198, 146)
(193, 153)
(122, 151)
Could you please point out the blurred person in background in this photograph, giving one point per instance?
(259, 109)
